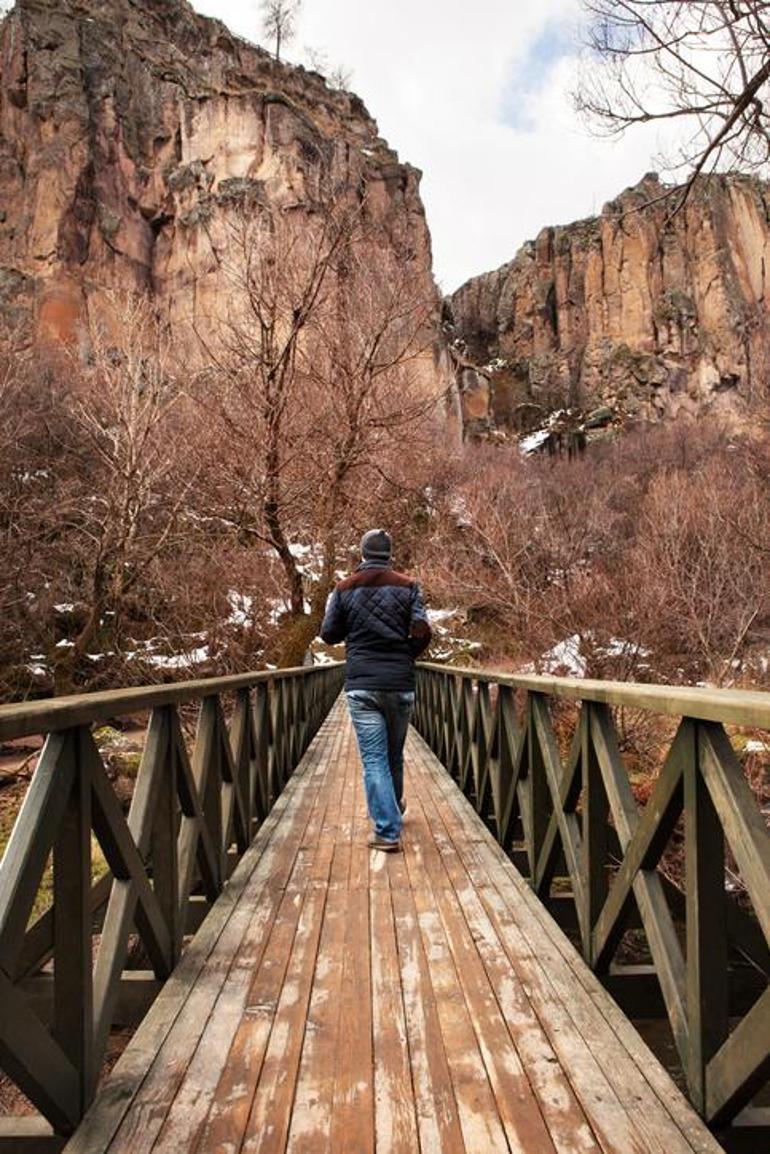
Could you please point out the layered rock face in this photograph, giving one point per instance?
(130, 132)
(640, 311)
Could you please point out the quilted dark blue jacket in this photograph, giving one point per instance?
(380, 616)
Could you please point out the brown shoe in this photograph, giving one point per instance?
(386, 846)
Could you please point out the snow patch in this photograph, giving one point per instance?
(241, 608)
(280, 606)
(567, 659)
(435, 616)
(178, 660)
(565, 655)
(534, 441)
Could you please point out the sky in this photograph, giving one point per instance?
(477, 96)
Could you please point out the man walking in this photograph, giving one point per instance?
(380, 616)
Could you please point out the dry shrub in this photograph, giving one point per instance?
(649, 555)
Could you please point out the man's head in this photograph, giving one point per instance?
(376, 545)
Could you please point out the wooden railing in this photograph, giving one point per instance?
(575, 818)
(63, 976)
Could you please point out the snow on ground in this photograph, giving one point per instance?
(458, 507)
(177, 660)
(241, 608)
(436, 616)
(322, 658)
(567, 658)
(534, 441)
(565, 655)
(279, 606)
(308, 559)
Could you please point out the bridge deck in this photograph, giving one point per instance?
(346, 1001)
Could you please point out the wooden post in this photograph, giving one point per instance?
(539, 794)
(594, 841)
(706, 926)
(260, 785)
(165, 832)
(73, 976)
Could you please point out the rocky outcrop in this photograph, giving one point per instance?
(130, 130)
(641, 310)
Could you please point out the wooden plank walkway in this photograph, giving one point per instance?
(343, 1001)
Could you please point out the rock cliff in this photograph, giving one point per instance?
(130, 130)
(639, 312)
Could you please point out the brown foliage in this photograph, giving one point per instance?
(650, 555)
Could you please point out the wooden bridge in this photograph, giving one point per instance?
(298, 992)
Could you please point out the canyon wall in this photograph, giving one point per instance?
(643, 312)
(132, 133)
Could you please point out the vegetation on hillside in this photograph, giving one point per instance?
(157, 525)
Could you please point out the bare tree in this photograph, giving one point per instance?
(703, 65)
(375, 433)
(29, 448)
(311, 386)
(279, 21)
(278, 270)
(707, 575)
(122, 500)
(336, 76)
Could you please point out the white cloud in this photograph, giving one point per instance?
(477, 96)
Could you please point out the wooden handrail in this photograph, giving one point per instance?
(52, 713)
(573, 820)
(728, 706)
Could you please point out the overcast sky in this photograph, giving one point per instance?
(476, 95)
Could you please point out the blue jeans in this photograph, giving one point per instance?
(381, 720)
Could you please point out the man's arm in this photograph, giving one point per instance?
(334, 627)
(419, 629)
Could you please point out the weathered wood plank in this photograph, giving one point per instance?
(438, 1122)
(310, 1129)
(352, 1130)
(395, 1122)
(602, 1104)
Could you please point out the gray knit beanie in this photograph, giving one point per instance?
(376, 545)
